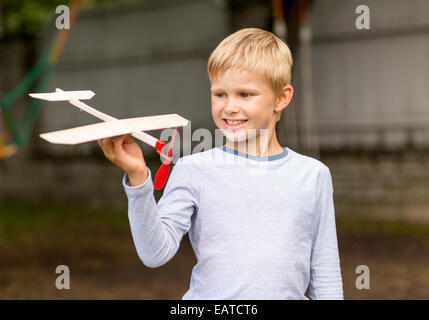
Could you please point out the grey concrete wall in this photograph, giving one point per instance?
(370, 85)
(389, 185)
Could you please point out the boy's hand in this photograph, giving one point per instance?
(124, 152)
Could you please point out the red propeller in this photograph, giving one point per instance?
(162, 173)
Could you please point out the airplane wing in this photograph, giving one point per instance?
(113, 128)
(64, 95)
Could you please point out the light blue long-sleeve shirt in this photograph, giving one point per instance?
(260, 227)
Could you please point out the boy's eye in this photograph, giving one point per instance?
(245, 94)
(219, 95)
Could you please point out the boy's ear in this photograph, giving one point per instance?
(284, 98)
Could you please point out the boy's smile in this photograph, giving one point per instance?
(242, 101)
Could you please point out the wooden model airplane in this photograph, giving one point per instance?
(112, 127)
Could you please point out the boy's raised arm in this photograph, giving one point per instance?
(157, 229)
(325, 272)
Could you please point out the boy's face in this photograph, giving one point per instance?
(242, 101)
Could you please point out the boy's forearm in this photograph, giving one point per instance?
(154, 243)
(157, 229)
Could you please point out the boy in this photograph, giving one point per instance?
(261, 223)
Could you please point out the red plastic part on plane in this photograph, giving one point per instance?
(162, 173)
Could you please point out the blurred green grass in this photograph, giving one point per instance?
(382, 227)
(19, 219)
(16, 219)
(97, 245)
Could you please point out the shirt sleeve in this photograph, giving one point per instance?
(325, 273)
(157, 229)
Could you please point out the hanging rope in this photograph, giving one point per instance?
(279, 22)
(310, 139)
(41, 72)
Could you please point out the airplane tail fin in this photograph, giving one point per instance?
(60, 95)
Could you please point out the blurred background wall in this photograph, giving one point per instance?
(368, 99)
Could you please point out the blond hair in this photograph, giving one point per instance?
(254, 50)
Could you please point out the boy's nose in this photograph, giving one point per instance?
(231, 107)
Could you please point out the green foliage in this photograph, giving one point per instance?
(17, 220)
(27, 18)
